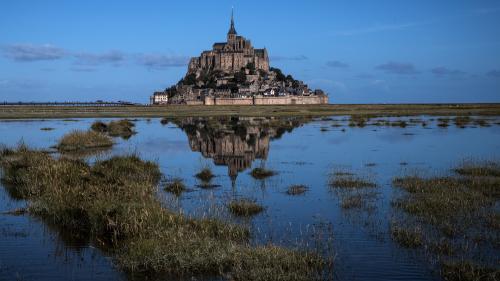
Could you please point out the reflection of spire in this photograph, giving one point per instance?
(232, 30)
(233, 180)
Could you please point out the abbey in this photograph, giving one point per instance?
(230, 56)
(235, 73)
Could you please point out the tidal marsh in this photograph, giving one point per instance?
(114, 202)
(456, 209)
(354, 222)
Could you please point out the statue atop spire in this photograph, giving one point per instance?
(232, 30)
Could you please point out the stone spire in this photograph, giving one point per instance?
(232, 30)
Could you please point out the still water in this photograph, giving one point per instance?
(301, 150)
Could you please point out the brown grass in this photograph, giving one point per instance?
(296, 189)
(205, 175)
(459, 211)
(262, 173)
(81, 140)
(245, 207)
(119, 128)
(350, 181)
(407, 237)
(175, 186)
(113, 202)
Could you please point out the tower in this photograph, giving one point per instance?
(231, 34)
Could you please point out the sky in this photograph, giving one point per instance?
(369, 51)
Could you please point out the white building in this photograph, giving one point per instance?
(159, 98)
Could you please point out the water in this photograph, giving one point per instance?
(302, 151)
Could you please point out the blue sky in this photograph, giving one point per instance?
(357, 51)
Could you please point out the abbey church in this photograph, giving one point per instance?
(231, 56)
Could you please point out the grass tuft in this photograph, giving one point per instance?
(205, 175)
(176, 186)
(468, 271)
(245, 207)
(349, 181)
(296, 189)
(407, 237)
(262, 173)
(355, 201)
(119, 128)
(81, 140)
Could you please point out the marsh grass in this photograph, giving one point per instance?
(462, 121)
(482, 122)
(458, 210)
(205, 174)
(119, 128)
(358, 121)
(406, 236)
(487, 169)
(296, 189)
(349, 181)
(262, 173)
(443, 122)
(113, 203)
(468, 271)
(245, 207)
(175, 186)
(399, 123)
(82, 140)
(355, 201)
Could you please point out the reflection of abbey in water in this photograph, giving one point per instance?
(237, 141)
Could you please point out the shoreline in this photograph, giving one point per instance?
(48, 112)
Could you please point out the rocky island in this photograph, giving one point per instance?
(236, 73)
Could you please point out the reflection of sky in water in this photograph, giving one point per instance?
(304, 156)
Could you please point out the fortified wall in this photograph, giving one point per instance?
(261, 100)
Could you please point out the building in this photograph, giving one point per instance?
(159, 98)
(230, 56)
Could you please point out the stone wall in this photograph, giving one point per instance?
(316, 99)
(291, 100)
(194, 102)
(233, 101)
